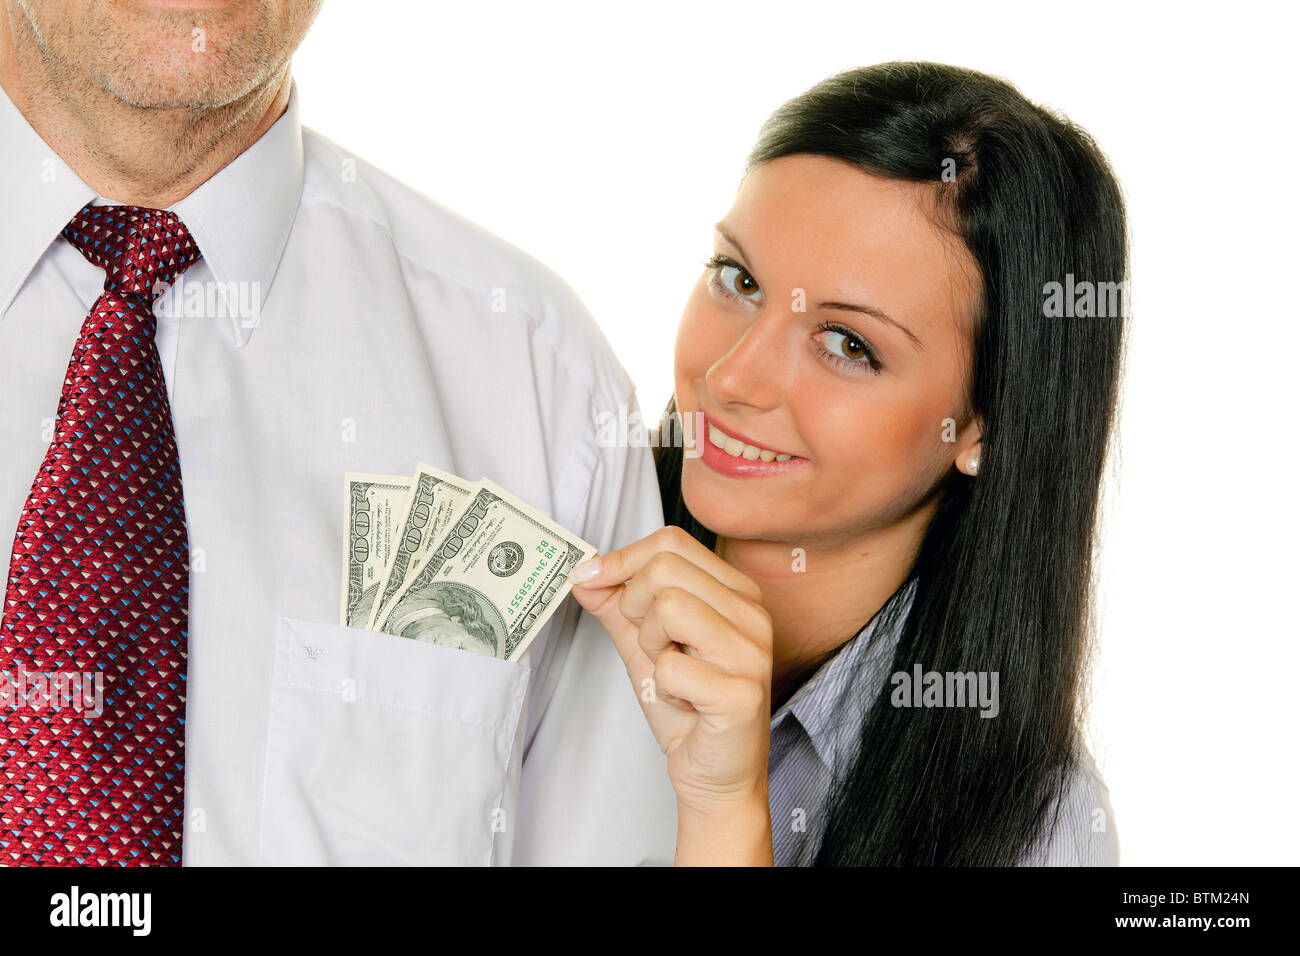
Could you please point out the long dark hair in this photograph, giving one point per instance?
(1004, 573)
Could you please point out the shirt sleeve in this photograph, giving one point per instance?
(1083, 832)
(594, 787)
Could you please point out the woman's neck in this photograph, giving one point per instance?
(820, 593)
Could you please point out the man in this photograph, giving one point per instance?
(183, 529)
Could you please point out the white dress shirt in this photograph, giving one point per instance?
(339, 321)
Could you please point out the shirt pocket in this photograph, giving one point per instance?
(386, 751)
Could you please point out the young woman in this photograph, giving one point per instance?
(862, 639)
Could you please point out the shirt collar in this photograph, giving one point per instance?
(240, 218)
(831, 704)
(39, 194)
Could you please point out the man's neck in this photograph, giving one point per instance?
(139, 156)
(820, 595)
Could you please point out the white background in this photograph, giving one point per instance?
(606, 139)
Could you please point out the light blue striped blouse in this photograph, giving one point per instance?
(812, 744)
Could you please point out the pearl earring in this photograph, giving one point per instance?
(973, 466)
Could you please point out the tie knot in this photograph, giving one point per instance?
(140, 250)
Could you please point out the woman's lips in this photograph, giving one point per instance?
(735, 466)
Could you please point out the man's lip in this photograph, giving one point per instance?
(732, 433)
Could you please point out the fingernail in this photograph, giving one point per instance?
(585, 571)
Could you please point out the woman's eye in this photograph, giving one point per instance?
(735, 281)
(847, 350)
(844, 346)
(738, 280)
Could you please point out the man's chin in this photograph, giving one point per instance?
(164, 59)
(164, 76)
(178, 88)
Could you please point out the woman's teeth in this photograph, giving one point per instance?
(738, 449)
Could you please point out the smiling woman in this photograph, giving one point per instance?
(901, 475)
(834, 323)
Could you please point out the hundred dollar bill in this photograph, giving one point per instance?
(374, 505)
(491, 581)
(436, 497)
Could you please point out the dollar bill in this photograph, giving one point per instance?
(374, 505)
(491, 581)
(436, 497)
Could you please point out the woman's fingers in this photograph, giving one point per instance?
(679, 620)
(709, 690)
(667, 724)
(602, 604)
(668, 571)
(690, 629)
(619, 565)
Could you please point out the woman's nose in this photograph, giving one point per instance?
(755, 370)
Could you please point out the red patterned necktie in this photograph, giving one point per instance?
(99, 584)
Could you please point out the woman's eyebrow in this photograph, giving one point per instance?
(722, 231)
(875, 313)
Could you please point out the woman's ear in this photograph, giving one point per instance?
(969, 445)
(968, 460)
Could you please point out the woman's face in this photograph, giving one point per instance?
(834, 325)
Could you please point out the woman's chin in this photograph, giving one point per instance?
(726, 511)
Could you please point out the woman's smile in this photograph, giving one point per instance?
(731, 454)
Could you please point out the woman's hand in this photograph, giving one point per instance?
(697, 644)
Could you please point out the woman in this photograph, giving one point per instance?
(901, 432)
